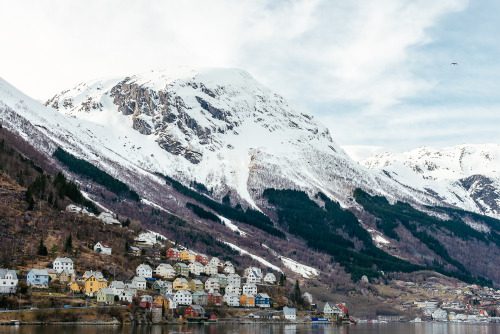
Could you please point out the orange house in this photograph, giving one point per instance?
(247, 301)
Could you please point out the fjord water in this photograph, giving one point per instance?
(395, 328)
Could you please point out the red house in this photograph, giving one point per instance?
(202, 258)
(345, 311)
(212, 316)
(173, 253)
(214, 298)
(146, 301)
(194, 311)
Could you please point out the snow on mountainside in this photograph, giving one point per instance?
(221, 128)
(467, 176)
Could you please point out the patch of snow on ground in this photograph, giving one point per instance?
(381, 240)
(255, 257)
(231, 225)
(294, 266)
(145, 201)
(299, 268)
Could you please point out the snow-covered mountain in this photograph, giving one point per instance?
(224, 130)
(467, 176)
(221, 128)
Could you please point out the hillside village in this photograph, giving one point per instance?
(178, 286)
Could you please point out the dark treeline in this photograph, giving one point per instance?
(88, 170)
(202, 213)
(419, 224)
(319, 228)
(250, 217)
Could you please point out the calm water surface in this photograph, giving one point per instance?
(397, 328)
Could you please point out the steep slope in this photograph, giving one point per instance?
(170, 135)
(467, 176)
(223, 129)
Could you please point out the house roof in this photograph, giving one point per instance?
(144, 266)
(40, 272)
(117, 285)
(199, 293)
(263, 295)
(197, 281)
(105, 245)
(64, 260)
(106, 291)
(96, 274)
(198, 309)
(166, 265)
(4, 272)
(137, 279)
(180, 264)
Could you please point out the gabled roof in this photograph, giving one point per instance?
(199, 293)
(166, 265)
(40, 272)
(197, 281)
(64, 260)
(117, 285)
(104, 245)
(96, 274)
(144, 266)
(263, 295)
(4, 272)
(106, 291)
(137, 279)
(180, 264)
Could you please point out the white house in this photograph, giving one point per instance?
(290, 313)
(234, 279)
(255, 270)
(165, 270)
(8, 281)
(139, 282)
(234, 289)
(229, 270)
(144, 270)
(215, 262)
(183, 297)
(253, 275)
(212, 283)
(231, 299)
(102, 248)
(126, 296)
(63, 263)
(270, 278)
(196, 268)
(210, 269)
(250, 289)
(117, 286)
(331, 310)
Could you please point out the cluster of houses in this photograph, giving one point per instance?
(194, 279)
(188, 279)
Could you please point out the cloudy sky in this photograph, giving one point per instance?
(377, 73)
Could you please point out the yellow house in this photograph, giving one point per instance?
(187, 255)
(247, 300)
(66, 277)
(180, 284)
(76, 287)
(52, 274)
(195, 285)
(94, 283)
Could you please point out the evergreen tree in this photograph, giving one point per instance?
(68, 244)
(42, 250)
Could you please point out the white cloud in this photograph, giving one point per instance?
(352, 62)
